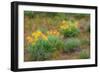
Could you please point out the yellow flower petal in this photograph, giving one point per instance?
(29, 39)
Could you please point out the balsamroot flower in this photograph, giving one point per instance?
(29, 39)
(64, 25)
(53, 32)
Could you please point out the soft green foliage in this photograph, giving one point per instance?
(70, 32)
(42, 50)
(55, 42)
(84, 55)
(71, 44)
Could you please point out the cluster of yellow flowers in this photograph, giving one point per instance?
(35, 36)
(64, 25)
(29, 39)
(38, 34)
(53, 32)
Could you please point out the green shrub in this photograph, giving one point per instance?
(42, 50)
(84, 55)
(55, 42)
(70, 32)
(71, 45)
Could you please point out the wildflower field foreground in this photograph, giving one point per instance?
(56, 36)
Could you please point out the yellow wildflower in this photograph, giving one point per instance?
(64, 25)
(53, 32)
(36, 36)
(33, 34)
(64, 22)
(29, 39)
(56, 33)
(39, 32)
(36, 33)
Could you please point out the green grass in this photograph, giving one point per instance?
(84, 55)
(71, 45)
(42, 50)
(55, 42)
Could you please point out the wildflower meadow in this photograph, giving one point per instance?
(56, 36)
